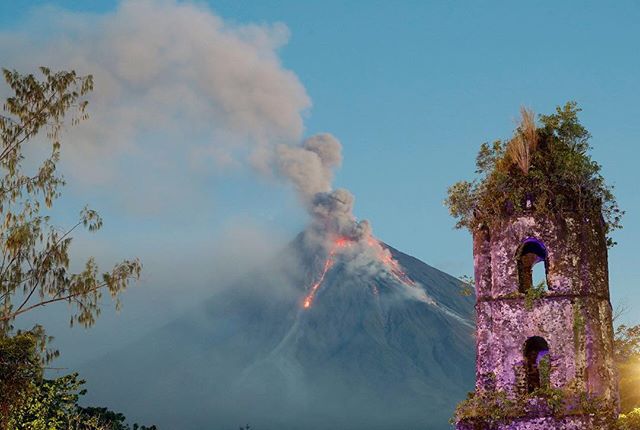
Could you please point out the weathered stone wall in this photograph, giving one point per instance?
(542, 423)
(576, 329)
(573, 316)
(577, 255)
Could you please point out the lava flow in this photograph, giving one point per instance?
(392, 264)
(340, 242)
(382, 255)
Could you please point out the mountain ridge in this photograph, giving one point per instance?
(371, 352)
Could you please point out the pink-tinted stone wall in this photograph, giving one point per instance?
(542, 423)
(573, 316)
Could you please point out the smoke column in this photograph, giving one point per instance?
(309, 167)
(227, 97)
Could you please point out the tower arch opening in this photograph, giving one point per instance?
(532, 265)
(536, 351)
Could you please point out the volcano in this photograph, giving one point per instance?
(310, 341)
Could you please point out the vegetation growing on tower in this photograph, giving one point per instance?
(544, 169)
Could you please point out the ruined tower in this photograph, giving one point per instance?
(544, 319)
(534, 337)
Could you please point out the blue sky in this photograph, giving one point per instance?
(411, 89)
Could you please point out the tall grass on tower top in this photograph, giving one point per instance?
(525, 141)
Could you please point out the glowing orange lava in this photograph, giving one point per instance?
(387, 259)
(382, 254)
(340, 242)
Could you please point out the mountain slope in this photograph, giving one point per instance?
(374, 351)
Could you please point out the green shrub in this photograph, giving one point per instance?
(630, 421)
(544, 170)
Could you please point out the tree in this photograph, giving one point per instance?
(630, 420)
(53, 404)
(19, 366)
(627, 358)
(35, 262)
(34, 270)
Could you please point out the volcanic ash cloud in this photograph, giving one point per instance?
(334, 229)
(178, 87)
(309, 167)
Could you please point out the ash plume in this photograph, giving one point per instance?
(333, 229)
(226, 102)
(147, 83)
(309, 167)
(185, 97)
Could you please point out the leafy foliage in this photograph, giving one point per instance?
(53, 404)
(630, 420)
(627, 358)
(34, 269)
(534, 293)
(627, 342)
(29, 402)
(546, 170)
(19, 365)
(496, 406)
(544, 367)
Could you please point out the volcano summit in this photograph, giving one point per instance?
(318, 339)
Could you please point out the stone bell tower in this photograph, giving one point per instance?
(543, 340)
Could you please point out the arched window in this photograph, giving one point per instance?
(532, 264)
(536, 351)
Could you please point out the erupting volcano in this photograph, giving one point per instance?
(339, 330)
(355, 335)
(382, 255)
(389, 262)
(337, 244)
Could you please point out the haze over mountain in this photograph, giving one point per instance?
(384, 343)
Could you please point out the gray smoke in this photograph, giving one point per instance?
(214, 93)
(179, 92)
(310, 168)
(333, 212)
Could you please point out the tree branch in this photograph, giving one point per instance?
(56, 243)
(22, 128)
(8, 317)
